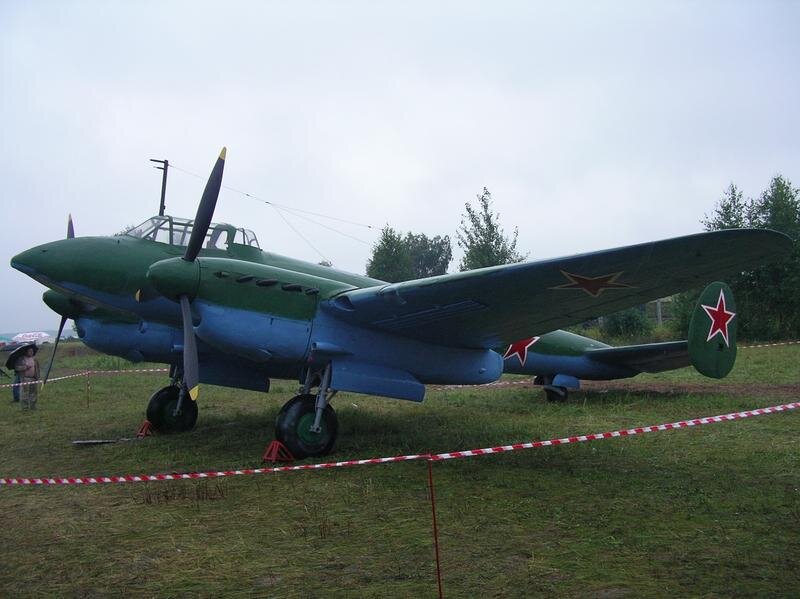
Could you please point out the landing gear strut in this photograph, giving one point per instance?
(307, 424)
(163, 412)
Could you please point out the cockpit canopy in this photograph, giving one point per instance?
(177, 231)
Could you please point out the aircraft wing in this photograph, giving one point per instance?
(492, 307)
(647, 357)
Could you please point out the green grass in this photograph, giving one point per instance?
(708, 512)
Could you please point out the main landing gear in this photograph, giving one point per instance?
(307, 424)
(171, 410)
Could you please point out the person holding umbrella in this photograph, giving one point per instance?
(27, 368)
(15, 350)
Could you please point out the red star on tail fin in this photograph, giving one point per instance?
(720, 317)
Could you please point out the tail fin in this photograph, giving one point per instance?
(712, 332)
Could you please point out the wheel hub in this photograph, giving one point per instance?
(304, 431)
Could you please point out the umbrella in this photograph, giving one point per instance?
(36, 336)
(17, 349)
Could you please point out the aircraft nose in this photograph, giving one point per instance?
(31, 261)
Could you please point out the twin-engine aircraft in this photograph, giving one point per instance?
(205, 299)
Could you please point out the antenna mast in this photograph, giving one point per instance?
(164, 168)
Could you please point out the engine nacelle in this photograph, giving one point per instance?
(140, 342)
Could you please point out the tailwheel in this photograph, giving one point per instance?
(161, 411)
(294, 424)
(555, 394)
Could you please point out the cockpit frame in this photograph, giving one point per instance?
(176, 231)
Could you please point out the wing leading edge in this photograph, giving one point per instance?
(492, 307)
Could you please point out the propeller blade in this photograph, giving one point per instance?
(190, 366)
(70, 228)
(55, 347)
(205, 211)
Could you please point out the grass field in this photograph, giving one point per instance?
(707, 512)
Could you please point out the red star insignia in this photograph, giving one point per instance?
(520, 349)
(594, 286)
(720, 317)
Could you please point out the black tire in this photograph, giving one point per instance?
(556, 395)
(161, 407)
(293, 422)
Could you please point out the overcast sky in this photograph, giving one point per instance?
(593, 124)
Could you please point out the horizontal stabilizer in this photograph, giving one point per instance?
(647, 357)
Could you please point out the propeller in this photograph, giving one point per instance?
(202, 221)
(191, 376)
(205, 211)
(70, 235)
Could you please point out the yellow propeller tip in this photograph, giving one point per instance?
(194, 392)
(138, 295)
(222, 153)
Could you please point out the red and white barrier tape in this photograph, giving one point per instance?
(84, 373)
(128, 478)
(769, 344)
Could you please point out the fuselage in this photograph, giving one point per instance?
(259, 314)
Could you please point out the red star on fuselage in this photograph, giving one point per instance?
(720, 317)
(520, 349)
(594, 286)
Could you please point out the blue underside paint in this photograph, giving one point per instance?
(425, 362)
(577, 366)
(360, 377)
(149, 342)
(564, 380)
(153, 342)
(256, 336)
(239, 348)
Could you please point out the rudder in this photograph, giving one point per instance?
(712, 332)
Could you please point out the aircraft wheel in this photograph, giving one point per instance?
(556, 394)
(293, 424)
(161, 407)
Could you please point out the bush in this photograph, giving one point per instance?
(627, 323)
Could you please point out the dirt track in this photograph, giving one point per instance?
(787, 390)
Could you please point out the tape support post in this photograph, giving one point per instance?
(93, 480)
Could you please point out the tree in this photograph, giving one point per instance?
(429, 257)
(482, 238)
(398, 258)
(768, 298)
(729, 213)
(772, 292)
